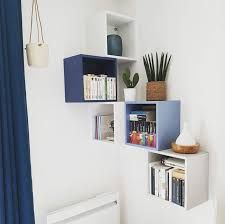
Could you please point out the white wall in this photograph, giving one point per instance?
(67, 166)
(190, 31)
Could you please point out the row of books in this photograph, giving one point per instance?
(142, 126)
(99, 87)
(167, 182)
(104, 127)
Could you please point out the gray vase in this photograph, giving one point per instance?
(115, 45)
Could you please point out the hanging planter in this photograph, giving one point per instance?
(37, 52)
(156, 71)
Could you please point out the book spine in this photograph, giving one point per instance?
(111, 88)
(182, 193)
(170, 185)
(174, 190)
(99, 88)
(156, 181)
(85, 86)
(167, 185)
(152, 180)
(114, 88)
(108, 88)
(137, 117)
(162, 182)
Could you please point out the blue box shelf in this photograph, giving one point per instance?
(167, 122)
(77, 66)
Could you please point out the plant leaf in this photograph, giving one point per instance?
(153, 68)
(135, 80)
(167, 66)
(164, 67)
(147, 68)
(161, 67)
(157, 66)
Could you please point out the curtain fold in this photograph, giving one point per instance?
(16, 196)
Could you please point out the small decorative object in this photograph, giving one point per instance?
(156, 72)
(185, 143)
(130, 91)
(114, 44)
(37, 53)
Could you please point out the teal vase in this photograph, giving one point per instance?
(115, 45)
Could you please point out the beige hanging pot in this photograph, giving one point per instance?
(37, 53)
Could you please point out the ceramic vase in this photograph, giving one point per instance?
(115, 45)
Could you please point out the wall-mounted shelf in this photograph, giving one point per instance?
(122, 60)
(196, 175)
(76, 67)
(167, 122)
(103, 24)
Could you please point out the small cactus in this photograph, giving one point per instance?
(130, 83)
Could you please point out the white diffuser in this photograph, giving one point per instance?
(185, 142)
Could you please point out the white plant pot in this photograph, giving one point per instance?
(37, 54)
(130, 94)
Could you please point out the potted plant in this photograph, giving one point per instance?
(156, 71)
(37, 52)
(130, 91)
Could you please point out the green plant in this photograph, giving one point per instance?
(156, 71)
(127, 79)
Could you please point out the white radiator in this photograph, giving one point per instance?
(102, 209)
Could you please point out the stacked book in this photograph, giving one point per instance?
(143, 128)
(167, 182)
(99, 87)
(104, 127)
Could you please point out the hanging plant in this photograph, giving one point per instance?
(37, 52)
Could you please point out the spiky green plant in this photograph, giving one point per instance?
(130, 83)
(156, 70)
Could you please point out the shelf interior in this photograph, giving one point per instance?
(103, 123)
(125, 28)
(115, 19)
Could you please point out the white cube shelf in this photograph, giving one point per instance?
(196, 175)
(103, 24)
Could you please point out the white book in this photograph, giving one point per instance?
(150, 174)
(108, 88)
(88, 83)
(156, 180)
(98, 89)
(91, 88)
(104, 87)
(85, 86)
(111, 89)
(114, 88)
(174, 162)
(162, 181)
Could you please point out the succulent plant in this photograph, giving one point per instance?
(130, 83)
(156, 71)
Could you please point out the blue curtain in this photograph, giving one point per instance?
(16, 197)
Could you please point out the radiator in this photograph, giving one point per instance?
(102, 209)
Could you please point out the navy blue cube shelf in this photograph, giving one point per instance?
(77, 66)
(167, 122)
